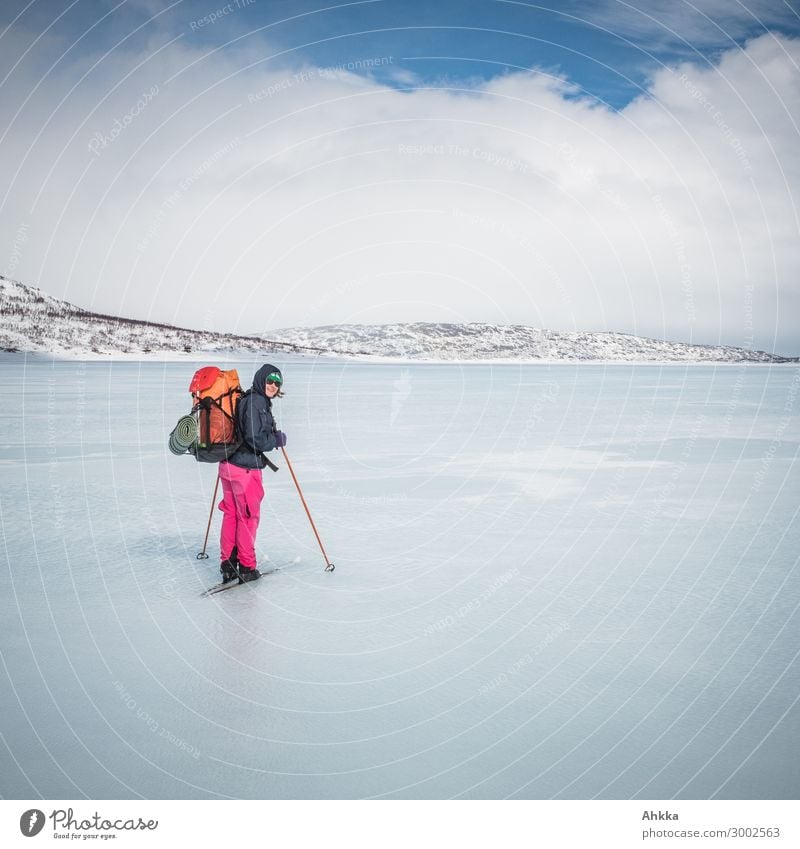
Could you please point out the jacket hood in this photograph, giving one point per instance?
(260, 379)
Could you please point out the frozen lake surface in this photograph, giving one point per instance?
(552, 581)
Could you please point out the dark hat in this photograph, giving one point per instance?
(260, 379)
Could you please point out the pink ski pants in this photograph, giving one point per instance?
(243, 492)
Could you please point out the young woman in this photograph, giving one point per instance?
(242, 486)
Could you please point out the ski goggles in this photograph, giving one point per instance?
(275, 379)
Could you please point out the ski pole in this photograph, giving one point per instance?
(202, 555)
(329, 567)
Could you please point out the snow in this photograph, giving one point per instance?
(552, 581)
(33, 322)
(494, 343)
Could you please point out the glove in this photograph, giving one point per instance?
(280, 439)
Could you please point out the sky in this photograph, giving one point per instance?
(251, 165)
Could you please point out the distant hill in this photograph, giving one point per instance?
(32, 321)
(508, 342)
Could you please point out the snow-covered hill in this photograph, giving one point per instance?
(507, 342)
(32, 321)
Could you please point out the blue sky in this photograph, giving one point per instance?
(255, 165)
(607, 48)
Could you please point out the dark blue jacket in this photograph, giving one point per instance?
(255, 423)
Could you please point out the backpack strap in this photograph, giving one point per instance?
(245, 445)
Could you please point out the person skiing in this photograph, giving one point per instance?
(242, 487)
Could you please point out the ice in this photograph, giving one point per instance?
(552, 581)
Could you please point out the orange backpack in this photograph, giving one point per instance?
(215, 394)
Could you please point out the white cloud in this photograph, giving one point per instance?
(692, 23)
(242, 197)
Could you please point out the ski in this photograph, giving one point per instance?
(229, 585)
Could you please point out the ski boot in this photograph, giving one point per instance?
(246, 574)
(229, 567)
